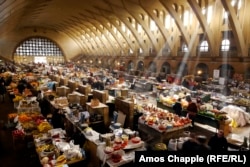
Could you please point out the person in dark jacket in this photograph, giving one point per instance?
(191, 144)
(177, 107)
(2, 88)
(218, 142)
(202, 141)
(192, 109)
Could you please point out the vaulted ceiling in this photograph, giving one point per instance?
(96, 27)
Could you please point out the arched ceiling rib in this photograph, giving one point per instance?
(123, 16)
(198, 11)
(112, 19)
(107, 39)
(144, 23)
(169, 6)
(237, 30)
(96, 26)
(149, 8)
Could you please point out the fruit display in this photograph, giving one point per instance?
(215, 114)
(24, 118)
(18, 133)
(61, 160)
(29, 116)
(167, 100)
(29, 126)
(18, 98)
(44, 127)
(12, 116)
(162, 118)
(45, 147)
(116, 157)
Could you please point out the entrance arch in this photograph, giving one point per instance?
(202, 71)
(165, 68)
(130, 65)
(140, 66)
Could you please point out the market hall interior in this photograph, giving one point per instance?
(205, 42)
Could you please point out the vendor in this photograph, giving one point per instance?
(84, 116)
(218, 142)
(2, 88)
(177, 107)
(191, 109)
(191, 144)
(57, 119)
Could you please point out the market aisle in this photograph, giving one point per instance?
(10, 157)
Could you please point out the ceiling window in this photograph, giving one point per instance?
(38, 46)
(123, 27)
(168, 22)
(209, 14)
(204, 46)
(130, 51)
(225, 45)
(186, 18)
(153, 26)
(184, 48)
(140, 50)
(139, 28)
(237, 3)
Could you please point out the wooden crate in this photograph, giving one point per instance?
(102, 109)
(72, 85)
(76, 97)
(100, 95)
(85, 90)
(63, 81)
(127, 107)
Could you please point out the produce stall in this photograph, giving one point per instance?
(161, 125)
(143, 85)
(53, 149)
(108, 149)
(96, 108)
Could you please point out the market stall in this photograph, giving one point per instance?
(106, 148)
(53, 148)
(161, 125)
(99, 113)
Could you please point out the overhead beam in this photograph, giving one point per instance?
(168, 5)
(149, 7)
(237, 30)
(203, 22)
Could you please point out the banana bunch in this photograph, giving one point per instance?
(44, 127)
(29, 126)
(168, 100)
(17, 98)
(45, 148)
